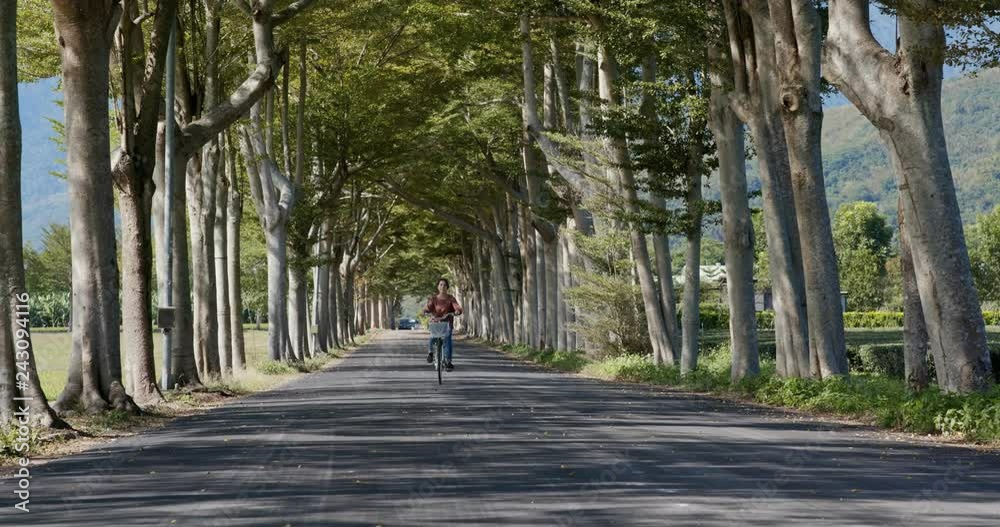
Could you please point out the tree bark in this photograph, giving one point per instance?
(691, 314)
(737, 226)
(797, 52)
(755, 102)
(133, 175)
(184, 368)
(529, 296)
(321, 292)
(901, 95)
(915, 340)
(661, 241)
(85, 33)
(17, 357)
(136, 295)
(234, 214)
(221, 245)
(273, 196)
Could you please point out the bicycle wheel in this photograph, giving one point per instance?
(439, 361)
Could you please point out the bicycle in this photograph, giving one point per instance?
(439, 330)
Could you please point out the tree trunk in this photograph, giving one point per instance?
(183, 366)
(85, 33)
(901, 95)
(321, 294)
(199, 172)
(797, 51)
(16, 361)
(133, 175)
(501, 277)
(737, 226)
(221, 245)
(277, 293)
(552, 292)
(298, 311)
(562, 275)
(335, 300)
(915, 340)
(569, 257)
(661, 241)
(691, 314)
(755, 102)
(234, 203)
(202, 177)
(273, 197)
(137, 327)
(529, 296)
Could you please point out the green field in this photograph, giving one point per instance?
(52, 350)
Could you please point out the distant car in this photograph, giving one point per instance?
(408, 323)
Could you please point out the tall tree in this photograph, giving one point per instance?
(133, 166)
(737, 224)
(85, 33)
(863, 241)
(901, 95)
(755, 100)
(797, 67)
(18, 372)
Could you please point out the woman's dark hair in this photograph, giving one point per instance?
(446, 282)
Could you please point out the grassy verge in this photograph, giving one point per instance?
(881, 401)
(90, 430)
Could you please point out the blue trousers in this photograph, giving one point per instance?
(446, 349)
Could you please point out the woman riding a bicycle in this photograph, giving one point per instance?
(443, 307)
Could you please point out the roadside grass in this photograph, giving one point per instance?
(52, 355)
(881, 401)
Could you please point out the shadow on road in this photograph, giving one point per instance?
(376, 441)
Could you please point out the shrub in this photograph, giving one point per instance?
(48, 310)
(611, 315)
(992, 318)
(712, 316)
(873, 319)
(633, 368)
(975, 416)
(882, 359)
(765, 320)
(273, 367)
(876, 396)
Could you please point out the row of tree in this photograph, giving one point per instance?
(521, 145)
(609, 149)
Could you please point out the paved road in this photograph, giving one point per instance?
(375, 441)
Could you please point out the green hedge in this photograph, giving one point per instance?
(887, 359)
(714, 316)
(873, 319)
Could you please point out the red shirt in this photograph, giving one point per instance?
(441, 307)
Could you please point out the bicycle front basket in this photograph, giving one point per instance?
(438, 329)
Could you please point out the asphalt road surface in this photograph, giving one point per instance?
(375, 441)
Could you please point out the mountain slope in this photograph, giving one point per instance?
(857, 168)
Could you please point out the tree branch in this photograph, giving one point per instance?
(289, 12)
(461, 223)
